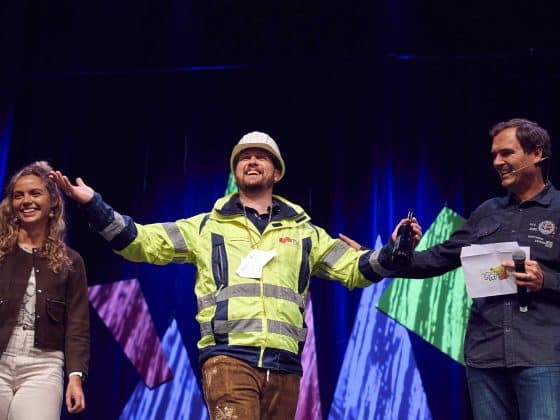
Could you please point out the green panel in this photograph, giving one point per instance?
(231, 185)
(435, 308)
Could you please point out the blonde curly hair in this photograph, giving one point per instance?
(54, 249)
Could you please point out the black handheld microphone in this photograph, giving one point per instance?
(518, 257)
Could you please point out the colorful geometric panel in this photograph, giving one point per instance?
(379, 378)
(179, 399)
(231, 185)
(123, 309)
(436, 308)
(309, 402)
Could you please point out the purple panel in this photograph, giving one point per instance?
(309, 403)
(122, 307)
(379, 378)
(179, 399)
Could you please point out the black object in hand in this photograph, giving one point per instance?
(518, 257)
(402, 250)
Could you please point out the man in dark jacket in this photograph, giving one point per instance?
(512, 357)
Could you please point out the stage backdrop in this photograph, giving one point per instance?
(375, 113)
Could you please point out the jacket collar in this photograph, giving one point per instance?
(281, 208)
(544, 197)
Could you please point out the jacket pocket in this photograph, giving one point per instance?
(486, 230)
(304, 269)
(56, 309)
(219, 261)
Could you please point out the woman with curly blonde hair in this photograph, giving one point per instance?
(44, 318)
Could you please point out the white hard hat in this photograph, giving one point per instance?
(258, 140)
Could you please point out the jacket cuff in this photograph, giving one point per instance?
(380, 261)
(367, 270)
(97, 212)
(119, 230)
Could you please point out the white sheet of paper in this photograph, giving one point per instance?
(252, 265)
(482, 267)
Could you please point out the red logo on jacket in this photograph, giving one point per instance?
(287, 240)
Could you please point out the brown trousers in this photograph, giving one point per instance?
(233, 389)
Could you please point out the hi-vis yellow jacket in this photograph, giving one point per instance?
(260, 321)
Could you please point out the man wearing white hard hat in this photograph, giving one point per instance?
(254, 253)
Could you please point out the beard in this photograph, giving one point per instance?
(254, 187)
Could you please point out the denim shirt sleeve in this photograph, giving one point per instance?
(551, 279)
